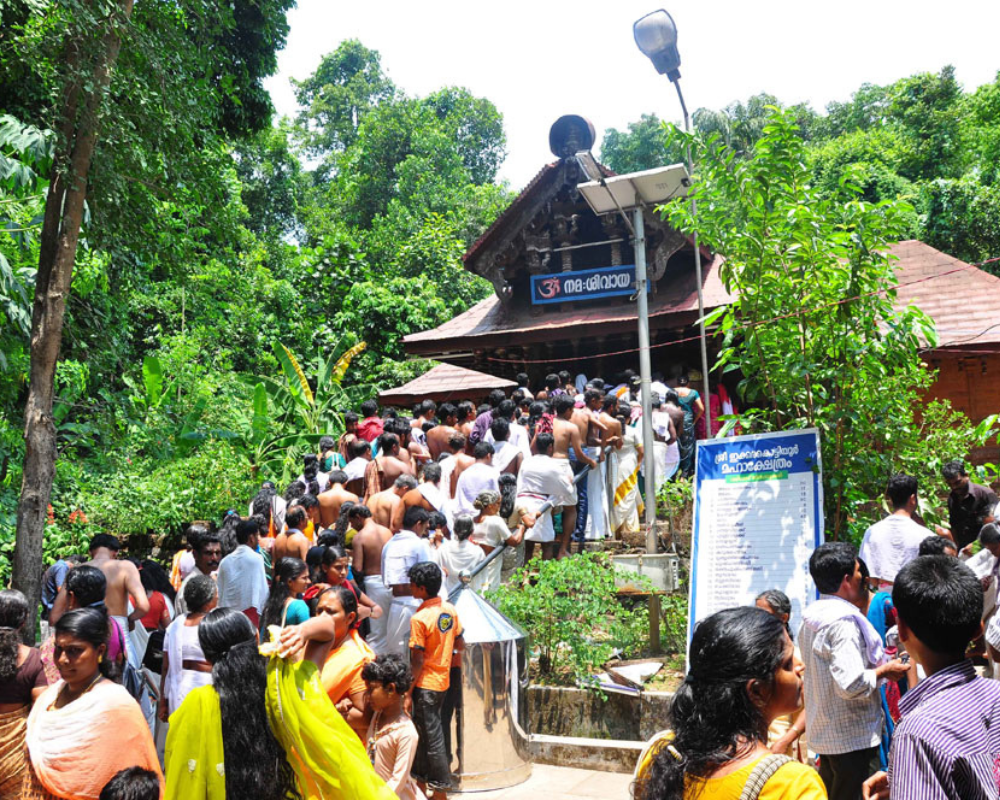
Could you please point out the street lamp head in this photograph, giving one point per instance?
(656, 36)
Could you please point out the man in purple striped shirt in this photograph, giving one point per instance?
(947, 744)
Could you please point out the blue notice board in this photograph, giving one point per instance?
(758, 515)
(582, 284)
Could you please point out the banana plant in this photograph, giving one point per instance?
(318, 410)
(304, 414)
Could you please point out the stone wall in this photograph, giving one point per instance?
(559, 711)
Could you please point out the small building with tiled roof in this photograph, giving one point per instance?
(442, 383)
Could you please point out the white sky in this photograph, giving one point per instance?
(538, 60)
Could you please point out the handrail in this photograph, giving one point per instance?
(546, 506)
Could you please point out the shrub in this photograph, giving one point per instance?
(572, 615)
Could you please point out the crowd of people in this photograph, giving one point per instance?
(308, 648)
(886, 692)
(318, 621)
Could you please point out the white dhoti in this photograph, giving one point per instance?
(543, 530)
(382, 597)
(597, 506)
(401, 611)
(563, 470)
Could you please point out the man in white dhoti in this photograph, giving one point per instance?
(668, 454)
(406, 548)
(542, 478)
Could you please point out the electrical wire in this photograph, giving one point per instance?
(770, 320)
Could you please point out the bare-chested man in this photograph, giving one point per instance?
(366, 551)
(424, 412)
(123, 582)
(383, 504)
(427, 495)
(361, 454)
(612, 435)
(437, 437)
(292, 542)
(411, 451)
(466, 418)
(567, 437)
(463, 460)
(592, 431)
(333, 498)
(383, 470)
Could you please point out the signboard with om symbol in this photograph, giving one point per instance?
(584, 284)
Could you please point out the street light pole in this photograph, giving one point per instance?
(656, 37)
(697, 273)
(645, 377)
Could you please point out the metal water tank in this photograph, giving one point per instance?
(490, 727)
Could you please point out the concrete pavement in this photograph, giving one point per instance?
(561, 783)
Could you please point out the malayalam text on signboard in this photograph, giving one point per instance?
(758, 517)
(584, 284)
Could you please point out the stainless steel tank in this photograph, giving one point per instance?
(489, 729)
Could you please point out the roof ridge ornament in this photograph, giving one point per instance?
(570, 134)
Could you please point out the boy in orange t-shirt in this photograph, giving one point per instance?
(435, 632)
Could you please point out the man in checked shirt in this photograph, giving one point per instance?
(845, 665)
(947, 744)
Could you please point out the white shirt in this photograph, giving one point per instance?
(890, 544)
(474, 480)
(400, 553)
(492, 532)
(356, 468)
(242, 580)
(180, 643)
(454, 556)
(448, 464)
(518, 437)
(322, 478)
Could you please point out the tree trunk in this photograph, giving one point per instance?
(86, 86)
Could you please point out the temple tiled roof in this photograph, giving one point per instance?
(444, 382)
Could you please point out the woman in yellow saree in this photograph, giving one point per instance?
(265, 729)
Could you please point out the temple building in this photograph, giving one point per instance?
(563, 280)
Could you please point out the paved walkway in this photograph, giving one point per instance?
(560, 783)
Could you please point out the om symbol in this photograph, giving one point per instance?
(548, 288)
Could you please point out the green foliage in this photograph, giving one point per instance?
(674, 621)
(674, 497)
(214, 478)
(335, 99)
(642, 146)
(574, 620)
(814, 331)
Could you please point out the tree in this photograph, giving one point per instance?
(91, 56)
(272, 182)
(739, 125)
(347, 85)
(813, 330)
(642, 146)
(218, 58)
